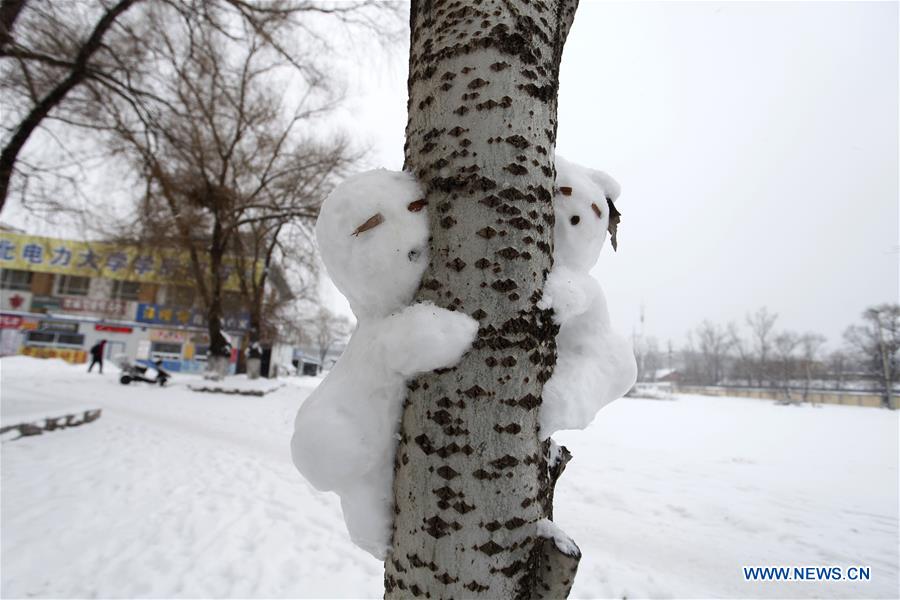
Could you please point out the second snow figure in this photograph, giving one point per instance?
(373, 237)
(594, 365)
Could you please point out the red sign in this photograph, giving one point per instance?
(16, 301)
(113, 328)
(10, 321)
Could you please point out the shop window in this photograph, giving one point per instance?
(40, 337)
(165, 350)
(52, 338)
(125, 290)
(14, 279)
(70, 339)
(72, 285)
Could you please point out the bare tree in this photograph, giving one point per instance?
(877, 342)
(56, 56)
(838, 363)
(784, 347)
(713, 343)
(810, 345)
(221, 160)
(473, 485)
(327, 329)
(761, 325)
(744, 364)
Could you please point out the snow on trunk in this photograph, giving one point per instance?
(472, 483)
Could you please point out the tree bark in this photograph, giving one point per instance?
(472, 482)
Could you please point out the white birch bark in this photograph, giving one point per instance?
(472, 483)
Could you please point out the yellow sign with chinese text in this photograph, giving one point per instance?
(67, 354)
(103, 259)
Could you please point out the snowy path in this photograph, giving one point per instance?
(178, 494)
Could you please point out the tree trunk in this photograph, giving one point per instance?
(472, 482)
(219, 348)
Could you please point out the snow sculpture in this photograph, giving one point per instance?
(373, 237)
(594, 365)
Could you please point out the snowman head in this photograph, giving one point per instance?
(582, 205)
(373, 236)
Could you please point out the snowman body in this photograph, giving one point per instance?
(594, 364)
(373, 237)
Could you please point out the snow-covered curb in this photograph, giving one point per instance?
(234, 390)
(35, 427)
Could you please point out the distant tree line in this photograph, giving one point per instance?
(756, 353)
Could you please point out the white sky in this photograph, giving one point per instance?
(756, 145)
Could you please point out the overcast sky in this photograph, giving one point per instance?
(756, 145)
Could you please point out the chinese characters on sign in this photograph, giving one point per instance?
(100, 259)
(95, 305)
(165, 315)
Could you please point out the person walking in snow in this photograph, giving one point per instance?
(97, 355)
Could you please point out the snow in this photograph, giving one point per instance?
(178, 494)
(373, 237)
(594, 364)
(546, 528)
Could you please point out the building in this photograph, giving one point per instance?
(59, 297)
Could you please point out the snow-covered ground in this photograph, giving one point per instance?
(173, 493)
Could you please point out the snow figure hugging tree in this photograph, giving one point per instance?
(373, 237)
(594, 364)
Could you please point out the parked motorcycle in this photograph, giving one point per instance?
(154, 375)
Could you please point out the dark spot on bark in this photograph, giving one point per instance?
(505, 462)
(482, 263)
(447, 473)
(487, 232)
(433, 285)
(505, 285)
(477, 83)
(424, 443)
(508, 253)
(517, 141)
(448, 222)
(441, 417)
(457, 264)
(475, 391)
(515, 169)
(491, 548)
(529, 402)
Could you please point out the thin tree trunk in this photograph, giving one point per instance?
(472, 481)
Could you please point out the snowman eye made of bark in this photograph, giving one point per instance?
(575, 220)
(371, 223)
(416, 205)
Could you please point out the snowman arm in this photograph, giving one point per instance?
(423, 337)
(568, 293)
